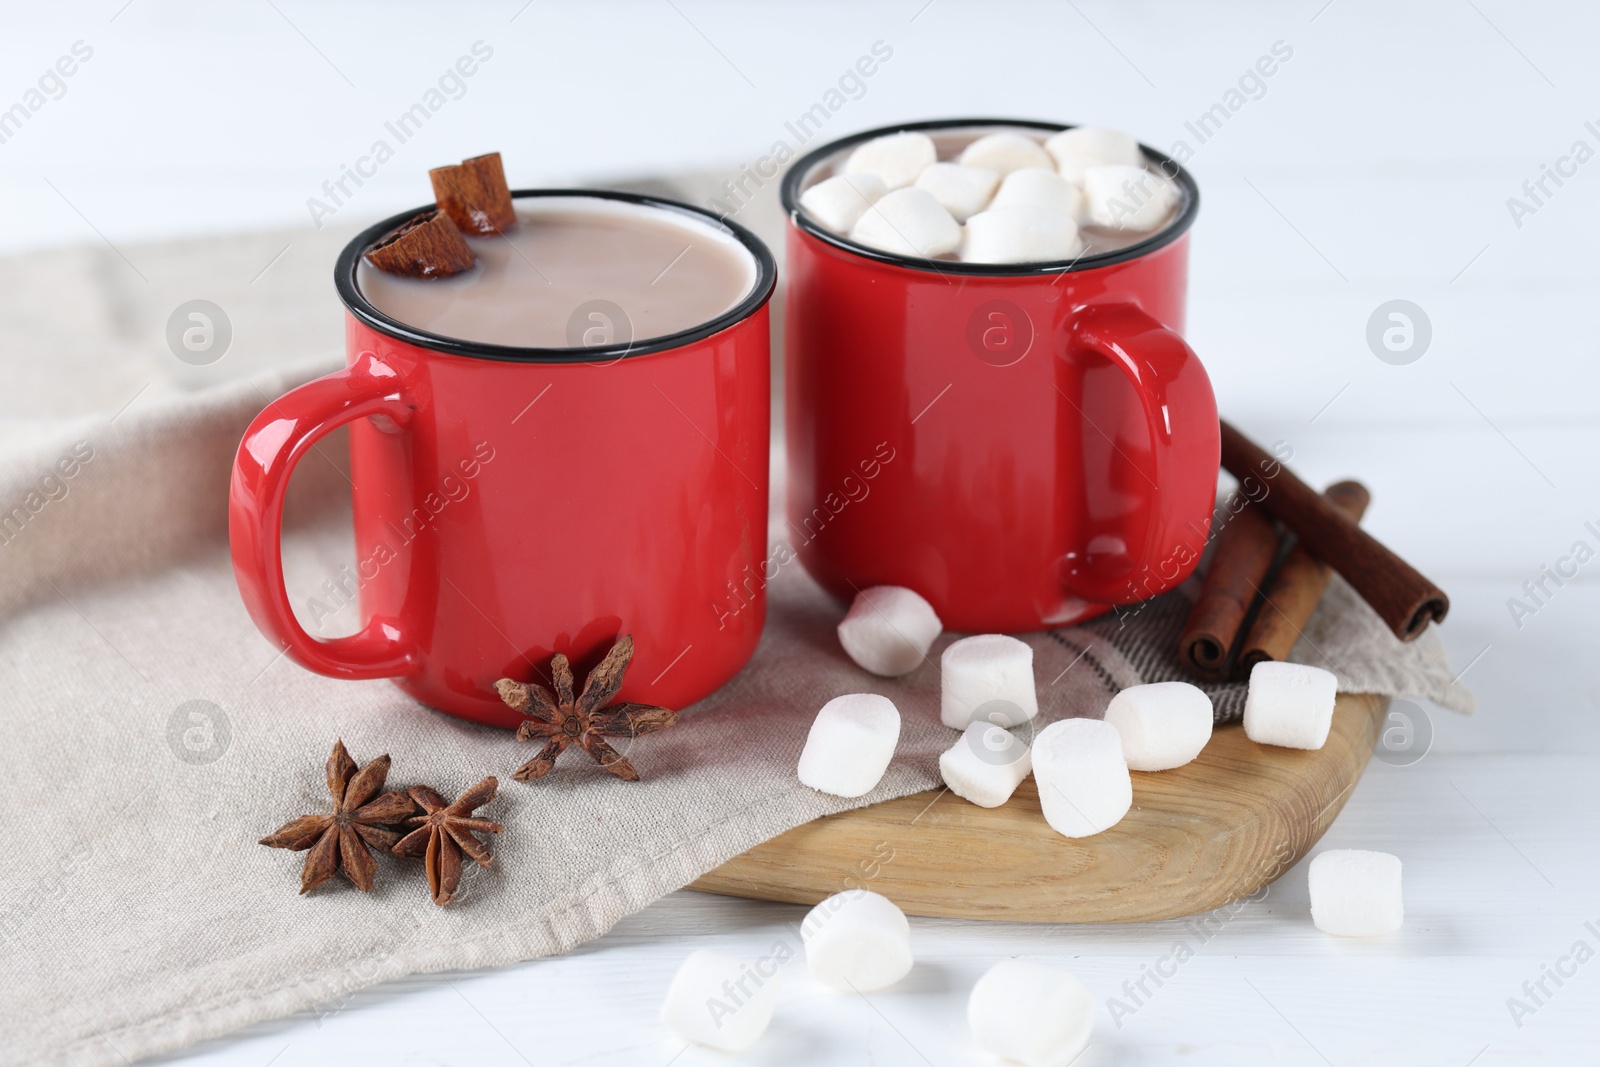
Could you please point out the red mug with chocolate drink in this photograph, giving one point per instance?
(555, 440)
(1024, 441)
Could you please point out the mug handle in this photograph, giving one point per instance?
(1180, 411)
(274, 443)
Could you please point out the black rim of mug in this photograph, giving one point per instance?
(790, 193)
(344, 280)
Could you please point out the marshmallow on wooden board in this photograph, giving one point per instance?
(1004, 152)
(839, 202)
(1289, 705)
(851, 742)
(1162, 725)
(897, 158)
(1078, 149)
(1084, 786)
(987, 678)
(908, 222)
(961, 190)
(985, 765)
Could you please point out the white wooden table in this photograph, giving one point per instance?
(1375, 164)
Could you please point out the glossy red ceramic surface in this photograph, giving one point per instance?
(1023, 450)
(508, 510)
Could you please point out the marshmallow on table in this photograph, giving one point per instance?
(987, 678)
(720, 1000)
(889, 630)
(960, 190)
(850, 744)
(1128, 198)
(908, 222)
(897, 159)
(1031, 1014)
(1289, 704)
(1005, 152)
(1356, 893)
(1020, 235)
(838, 202)
(1162, 725)
(1039, 187)
(1076, 150)
(986, 765)
(1083, 780)
(857, 941)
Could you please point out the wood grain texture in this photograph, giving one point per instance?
(1197, 838)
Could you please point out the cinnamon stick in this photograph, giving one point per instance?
(1292, 595)
(429, 246)
(1403, 598)
(475, 195)
(1240, 560)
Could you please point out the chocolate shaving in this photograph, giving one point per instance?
(475, 195)
(429, 246)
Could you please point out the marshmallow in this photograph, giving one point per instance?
(720, 1000)
(857, 941)
(850, 744)
(1020, 235)
(1356, 893)
(960, 190)
(908, 222)
(1005, 152)
(889, 630)
(1289, 704)
(1075, 151)
(987, 678)
(1084, 786)
(1031, 1014)
(839, 202)
(897, 159)
(986, 765)
(1162, 725)
(1038, 187)
(1128, 198)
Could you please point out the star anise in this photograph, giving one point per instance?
(339, 839)
(587, 720)
(445, 831)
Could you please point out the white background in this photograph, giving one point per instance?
(1376, 165)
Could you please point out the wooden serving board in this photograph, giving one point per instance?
(1197, 838)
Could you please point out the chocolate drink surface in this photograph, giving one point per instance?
(559, 277)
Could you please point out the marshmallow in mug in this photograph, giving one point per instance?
(1005, 199)
(896, 159)
(1120, 197)
(1082, 147)
(839, 202)
(1020, 235)
(1039, 188)
(1005, 152)
(908, 222)
(961, 190)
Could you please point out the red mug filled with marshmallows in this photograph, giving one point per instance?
(988, 397)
